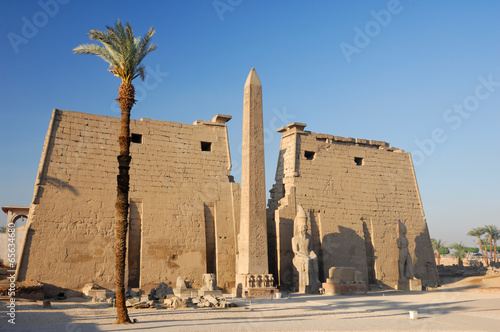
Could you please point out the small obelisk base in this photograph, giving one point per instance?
(260, 286)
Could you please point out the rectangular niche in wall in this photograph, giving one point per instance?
(309, 155)
(134, 243)
(209, 211)
(136, 138)
(358, 161)
(206, 146)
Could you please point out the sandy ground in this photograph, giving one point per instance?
(470, 304)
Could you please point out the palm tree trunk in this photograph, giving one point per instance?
(438, 257)
(495, 252)
(482, 251)
(491, 249)
(126, 100)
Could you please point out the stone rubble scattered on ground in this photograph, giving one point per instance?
(162, 297)
(467, 271)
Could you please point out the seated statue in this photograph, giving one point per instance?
(305, 260)
(404, 262)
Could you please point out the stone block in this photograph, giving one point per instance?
(345, 289)
(259, 293)
(415, 285)
(185, 292)
(97, 294)
(131, 302)
(341, 274)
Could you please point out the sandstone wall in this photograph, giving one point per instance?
(354, 191)
(181, 195)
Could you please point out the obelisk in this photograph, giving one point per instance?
(252, 275)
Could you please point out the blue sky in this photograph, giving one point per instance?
(422, 75)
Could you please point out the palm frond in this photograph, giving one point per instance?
(120, 49)
(95, 50)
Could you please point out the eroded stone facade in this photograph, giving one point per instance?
(354, 191)
(181, 220)
(185, 209)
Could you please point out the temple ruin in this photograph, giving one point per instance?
(189, 218)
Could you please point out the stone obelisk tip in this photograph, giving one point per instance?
(252, 78)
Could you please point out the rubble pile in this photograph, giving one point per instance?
(209, 301)
(465, 271)
(491, 271)
(163, 297)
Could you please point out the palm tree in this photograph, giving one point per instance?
(491, 230)
(478, 231)
(124, 53)
(460, 252)
(495, 237)
(438, 245)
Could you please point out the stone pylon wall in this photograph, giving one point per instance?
(182, 196)
(354, 192)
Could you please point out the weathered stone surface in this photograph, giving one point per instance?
(175, 302)
(354, 191)
(176, 188)
(415, 284)
(158, 293)
(405, 263)
(186, 210)
(345, 289)
(410, 285)
(143, 305)
(209, 286)
(344, 275)
(180, 283)
(211, 299)
(163, 289)
(181, 289)
(252, 241)
(209, 282)
(252, 273)
(135, 292)
(152, 294)
(344, 281)
(96, 292)
(305, 260)
(132, 301)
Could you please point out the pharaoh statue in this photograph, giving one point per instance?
(404, 262)
(304, 260)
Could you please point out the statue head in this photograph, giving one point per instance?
(300, 222)
(209, 282)
(401, 228)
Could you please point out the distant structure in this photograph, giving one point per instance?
(14, 213)
(189, 218)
